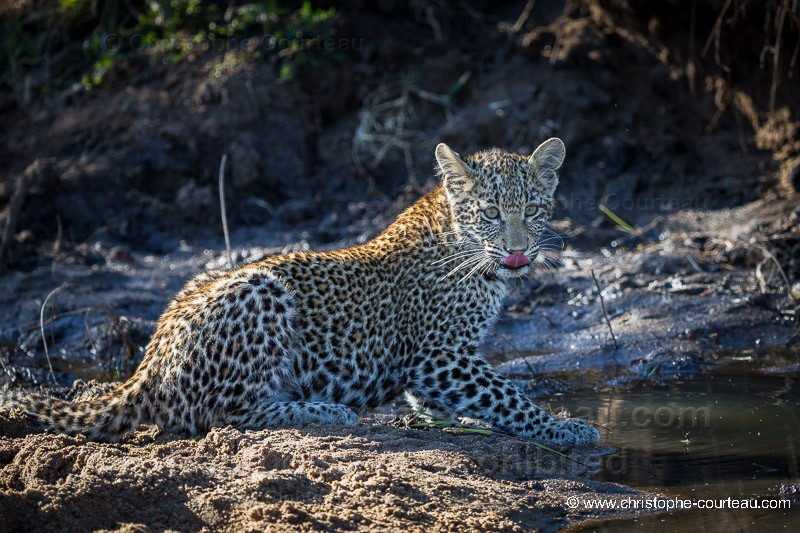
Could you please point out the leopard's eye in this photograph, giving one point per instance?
(491, 213)
(532, 210)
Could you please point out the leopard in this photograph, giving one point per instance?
(321, 337)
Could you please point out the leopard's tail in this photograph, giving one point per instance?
(105, 418)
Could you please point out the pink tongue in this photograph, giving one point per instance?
(516, 261)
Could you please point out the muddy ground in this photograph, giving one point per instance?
(111, 205)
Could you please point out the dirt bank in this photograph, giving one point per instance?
(369, 478)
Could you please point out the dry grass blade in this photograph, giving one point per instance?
(523, 17)
(519, 353)
(776, 52)
(387, 118)
(714, 36)
(770, 256)
(430, 421)
(222, 209)
(41, 330)
(605, 314)
(383, 126)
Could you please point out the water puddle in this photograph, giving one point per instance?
(730, 433)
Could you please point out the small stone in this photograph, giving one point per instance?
(796, 291)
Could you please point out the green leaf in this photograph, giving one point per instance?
(613, 216)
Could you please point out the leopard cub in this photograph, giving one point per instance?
(320, 337)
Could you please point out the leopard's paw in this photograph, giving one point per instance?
(570, 432)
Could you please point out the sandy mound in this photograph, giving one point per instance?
(370, 477)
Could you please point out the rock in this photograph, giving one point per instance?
(796, 291)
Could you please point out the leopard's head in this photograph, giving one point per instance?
(500, 204)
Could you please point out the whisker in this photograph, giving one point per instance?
(485, 270)
(548, 253)
(456, 255)
(552, 234)
(549, 261)
(551, 242)
(474, 269)
(466, 264)
(552, 239)
(491, 248)
(550, 265)
(552, 231)
(552, 260)
(550, 248)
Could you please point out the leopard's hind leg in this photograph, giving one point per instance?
(275, 414)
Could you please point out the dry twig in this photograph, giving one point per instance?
(770, 256)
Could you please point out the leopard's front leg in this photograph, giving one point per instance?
(468, 386)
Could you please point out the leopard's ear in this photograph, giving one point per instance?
(546, 160)
(456, 176)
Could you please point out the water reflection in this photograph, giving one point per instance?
(733, 433)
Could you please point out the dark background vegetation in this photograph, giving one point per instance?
(116, 114)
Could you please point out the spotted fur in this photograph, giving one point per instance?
(321, 337)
